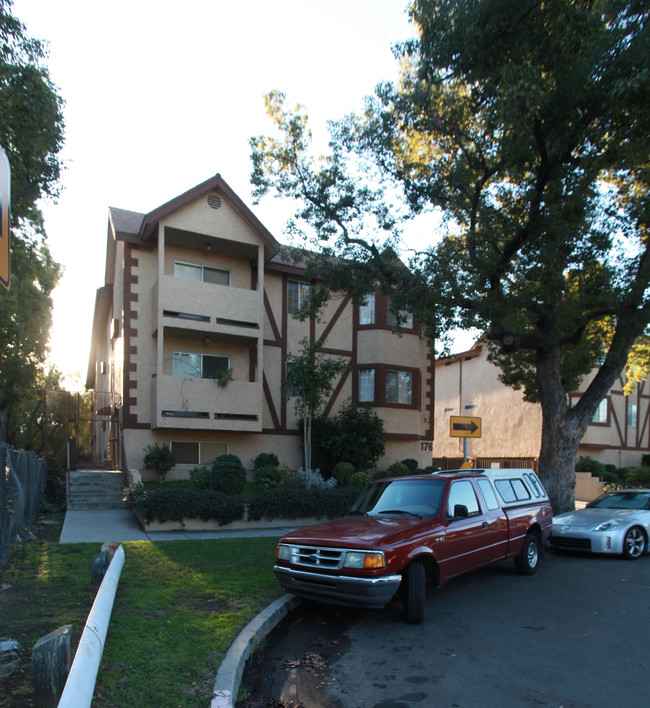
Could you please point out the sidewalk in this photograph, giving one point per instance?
(119, 525)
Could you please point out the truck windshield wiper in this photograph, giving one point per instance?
(399, 511)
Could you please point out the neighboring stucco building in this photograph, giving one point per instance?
(467, 384)
(197, 287)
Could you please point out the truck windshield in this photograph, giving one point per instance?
(402, 497)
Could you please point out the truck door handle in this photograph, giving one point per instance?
(485, 524)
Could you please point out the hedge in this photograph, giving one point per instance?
(286, 503)
(179, 504)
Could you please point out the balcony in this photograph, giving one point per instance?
(201, 404)
(194, 307)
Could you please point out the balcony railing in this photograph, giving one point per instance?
(217, 305)
(201, 404)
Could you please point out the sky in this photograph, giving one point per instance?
(160, 96)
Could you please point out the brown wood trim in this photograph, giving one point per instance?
(335, 318)
(271, 316)
(269, 401)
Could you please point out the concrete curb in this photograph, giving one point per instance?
(226, 685)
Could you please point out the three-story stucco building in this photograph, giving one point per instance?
(197, 292)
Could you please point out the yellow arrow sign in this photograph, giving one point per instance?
(464, 427)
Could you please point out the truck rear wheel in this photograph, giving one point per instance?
(528, 559)
(415, 592)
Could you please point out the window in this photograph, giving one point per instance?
(462, 493)
(512, 490)
(201, 273)
(631, 415)
(296, 294)
(488, 494)
(366, 385)
(600, 416)
(199, 366)
(367, 310)
(399, 387)
(405, 318)
(197, 453)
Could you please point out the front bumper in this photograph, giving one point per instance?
(588, 541)
(339, 589)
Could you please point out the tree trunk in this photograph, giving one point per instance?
(307, 446)
(562, 427)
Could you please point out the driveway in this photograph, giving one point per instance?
(575, 634)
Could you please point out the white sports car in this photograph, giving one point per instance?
(617, 522)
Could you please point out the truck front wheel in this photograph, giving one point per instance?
(528, 559)
(415, 591)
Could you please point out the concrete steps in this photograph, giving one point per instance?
(89, 489)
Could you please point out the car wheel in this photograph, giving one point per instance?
(415, 592)
(528, 559)
(634, 543)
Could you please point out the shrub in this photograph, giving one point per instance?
(430, 469)
(300, 503)
(286, 472)
(588, 464)
(178, 504)
(268, 476)
(266, 459)
(342, 473)
(159, 458)
(411, 464)
(316, 480)
(354, 435)
(359, 480)
(639, 477)
(134, 493)
(397, 469)
(228, 475)
(645, 460)
(200, 477)
(380, 474)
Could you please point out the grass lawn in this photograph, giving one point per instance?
(178, 607)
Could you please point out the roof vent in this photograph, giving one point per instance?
(214, 201)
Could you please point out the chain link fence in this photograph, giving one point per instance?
(22, 481)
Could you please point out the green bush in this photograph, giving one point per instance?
(178, 504)
(411, 464)
(397, 469)
(200, 477)
(286, 503)
(268, 476)
(638, 477)
(355, 435)
(645, 460)
(342, 473)
(228, 475)
(430, 469)
(159, 458)
(588, 464)
(359, 480)
(266, 459)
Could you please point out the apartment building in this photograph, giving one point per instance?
(467, 385)
(197, 295)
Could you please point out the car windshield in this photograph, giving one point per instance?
(622, 500)
(402, 497)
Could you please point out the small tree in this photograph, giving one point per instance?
(159, 458)
(310, 378)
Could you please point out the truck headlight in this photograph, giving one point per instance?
(365, 560)
(283, 553)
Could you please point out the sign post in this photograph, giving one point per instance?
(5, 201)
(461, 426)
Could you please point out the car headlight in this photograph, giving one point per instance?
(608, 525)
(365, 560)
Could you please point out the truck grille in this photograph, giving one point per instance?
(317, 557)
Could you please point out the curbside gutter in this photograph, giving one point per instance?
(79, 687)
(226, 685)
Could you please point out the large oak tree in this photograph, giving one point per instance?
(31, 133)
(526, 123)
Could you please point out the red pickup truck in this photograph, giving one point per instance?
(403, 532)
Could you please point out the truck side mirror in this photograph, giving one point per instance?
(460, 511)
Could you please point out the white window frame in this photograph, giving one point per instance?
(199, 357)
(296, 299)
(202, 268)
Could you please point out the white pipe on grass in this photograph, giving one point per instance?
(79, 688)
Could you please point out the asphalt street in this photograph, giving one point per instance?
(575, 635)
